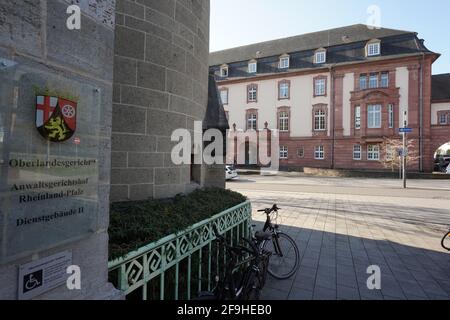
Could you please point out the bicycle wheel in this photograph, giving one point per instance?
(263, 268)
(285, 258)
(446, 242)
(253, 290)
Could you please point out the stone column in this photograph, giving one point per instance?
(160, 85)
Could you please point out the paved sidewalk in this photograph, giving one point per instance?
(341, 235)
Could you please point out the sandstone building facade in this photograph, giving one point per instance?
(336, 96)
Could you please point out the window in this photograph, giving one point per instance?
(320, 87)
(374, 116)
(301, 152)
(373, 152)
(283, 90)
(320, 57)
(384, 80)
(252, 95)
(357, 152)
(252, 121)
(320, 120)
(224, 96)
(389, 152)
(357, 117)
(442, 119)
(391, 115)
(252, 67)
(373, 49)
(362, 82)
(284, 153)
(224, 71)
(373, 81)
(284, 63)
(283, 121)
(319, 153)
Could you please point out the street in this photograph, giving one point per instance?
(342, 226)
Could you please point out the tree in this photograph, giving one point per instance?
(392, 148)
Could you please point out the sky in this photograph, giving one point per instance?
(240, 22)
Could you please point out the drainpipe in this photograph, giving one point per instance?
(421, 151)
(333, 124)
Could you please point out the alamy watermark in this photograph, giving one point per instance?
(259, 147)
(74, 280)
(74, 20)
(374, 18)
(374, 280)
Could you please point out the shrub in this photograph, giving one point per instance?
(138, 223)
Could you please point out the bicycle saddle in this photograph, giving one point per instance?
(262, 236)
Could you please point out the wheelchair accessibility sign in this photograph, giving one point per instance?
(32, 281)
(43, 275)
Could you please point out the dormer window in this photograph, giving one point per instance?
(253, 66)
(373, 48)
(284, 62)
(320, 56)
(224, 71)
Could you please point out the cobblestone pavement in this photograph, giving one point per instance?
(343, 230)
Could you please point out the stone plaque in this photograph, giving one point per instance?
(48, 187)
(38, 277)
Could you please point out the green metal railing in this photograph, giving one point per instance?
(179, 266)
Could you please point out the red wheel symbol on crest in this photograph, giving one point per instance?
(68, 111)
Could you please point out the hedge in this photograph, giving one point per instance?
(135, 224)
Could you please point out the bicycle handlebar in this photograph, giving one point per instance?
(270, 210)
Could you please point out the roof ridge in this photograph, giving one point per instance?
(307, 34)
(306, 41)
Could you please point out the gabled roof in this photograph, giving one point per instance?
(440, 87)
(327, 38)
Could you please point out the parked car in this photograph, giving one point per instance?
(230, 173)
(441, 163)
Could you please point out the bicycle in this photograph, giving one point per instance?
(446, 241)
(245, 286)
(282, 256)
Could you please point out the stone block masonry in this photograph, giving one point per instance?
(34, 37)
(160, 84)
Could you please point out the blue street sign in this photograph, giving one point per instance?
(402, 152)
(405, 130)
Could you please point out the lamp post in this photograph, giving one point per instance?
(404, 151)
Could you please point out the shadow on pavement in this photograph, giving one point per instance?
(334, 266)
